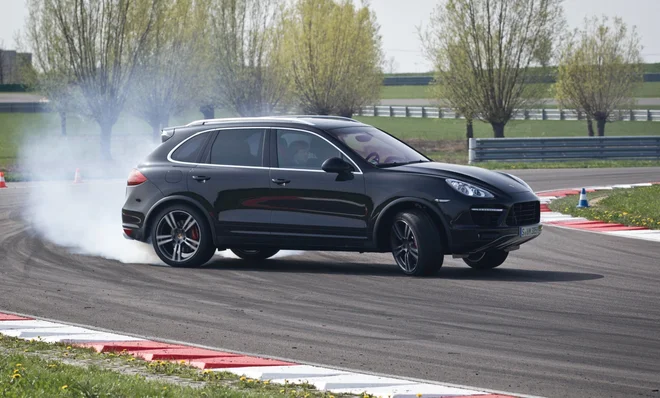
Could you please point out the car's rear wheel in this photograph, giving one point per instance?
(255, 254)
(416, 244)
(182, 237)
(486, 260)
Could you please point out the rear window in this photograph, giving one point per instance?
(189, 151)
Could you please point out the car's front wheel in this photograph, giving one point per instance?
(182, 237)
(486, 260)
(255, 254)
(416, 244)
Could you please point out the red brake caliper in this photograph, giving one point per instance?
(195, 233)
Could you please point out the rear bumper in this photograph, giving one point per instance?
(139, 200)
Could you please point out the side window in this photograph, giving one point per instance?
(300, 150)
(240, 147)
(189, 150)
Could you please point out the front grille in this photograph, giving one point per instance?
(484, 218)
(525, 213)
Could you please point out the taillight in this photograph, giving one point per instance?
(136, 178)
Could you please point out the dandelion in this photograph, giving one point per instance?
(282, 391)
(206, 371)
(16, 376)
(419, 395)
(64, 387)
(18, 365)
(52, 365)
(164, 388)
(182, 361)
(243, 378)
(266, 382)
(68, 347)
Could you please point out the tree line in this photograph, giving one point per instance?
(156, 58)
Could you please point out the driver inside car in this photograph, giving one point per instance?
(300, 154)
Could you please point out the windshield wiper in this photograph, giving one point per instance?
(394, 164)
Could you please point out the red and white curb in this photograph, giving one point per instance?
(556, 219)
(276, 371)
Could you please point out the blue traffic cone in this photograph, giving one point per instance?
(583, 199)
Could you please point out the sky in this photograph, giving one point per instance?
(399, 19)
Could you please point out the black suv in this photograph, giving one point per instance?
(260, 185)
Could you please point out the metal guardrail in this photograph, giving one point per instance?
(520, 114)
(557, 149)
(424, 80)
(25, 107)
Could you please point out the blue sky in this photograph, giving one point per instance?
(398, 20)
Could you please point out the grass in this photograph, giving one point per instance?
(454, 129)
(442, 139)
(37, 369)
(633, 207)
(645, 90)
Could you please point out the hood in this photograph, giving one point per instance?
(476, 175)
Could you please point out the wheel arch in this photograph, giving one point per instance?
(174, 199)
(386, 217)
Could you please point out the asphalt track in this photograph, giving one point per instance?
(570, 314)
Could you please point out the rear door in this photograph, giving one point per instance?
(318, 208)
(231, 179)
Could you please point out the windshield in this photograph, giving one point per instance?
(377, 147)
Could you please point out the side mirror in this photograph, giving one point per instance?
(336, 165)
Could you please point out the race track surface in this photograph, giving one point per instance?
(570, 314)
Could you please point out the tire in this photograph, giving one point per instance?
(487, 260)
(171, 221)
(421, 237)
(256, 254)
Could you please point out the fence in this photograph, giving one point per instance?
(520, 114)
(23, 107)
(557, 149)
(424, 80)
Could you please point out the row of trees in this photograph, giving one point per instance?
(490, 57)
(156, 58)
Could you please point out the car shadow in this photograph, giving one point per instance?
(287, 265)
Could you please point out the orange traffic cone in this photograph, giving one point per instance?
(77, 179)
(2, 180)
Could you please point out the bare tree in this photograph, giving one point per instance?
(245, 37)
(599, 69)
(168, 74)
(100, 42)
(335, 55)
(488, 48)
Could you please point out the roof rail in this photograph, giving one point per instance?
(202, 122)
(348, 119)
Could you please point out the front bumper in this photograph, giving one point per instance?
(469, 240)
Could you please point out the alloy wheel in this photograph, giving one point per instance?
(404, 246)
(178, 235)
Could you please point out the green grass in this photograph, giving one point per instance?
(37, 369)
(645, 90)
(634, 207)
(443, 139)
(454, 129)
(16, 128)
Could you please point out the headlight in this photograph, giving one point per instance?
(519, 180)
(469, 189)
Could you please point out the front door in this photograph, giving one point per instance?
(317, 208)
(232, 179)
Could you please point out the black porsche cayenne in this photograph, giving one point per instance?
(259, 185)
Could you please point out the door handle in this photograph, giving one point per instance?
(201, 178)
(280, 181)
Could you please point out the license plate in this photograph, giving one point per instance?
(532, 230)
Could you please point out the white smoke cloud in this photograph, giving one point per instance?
(84, 217)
